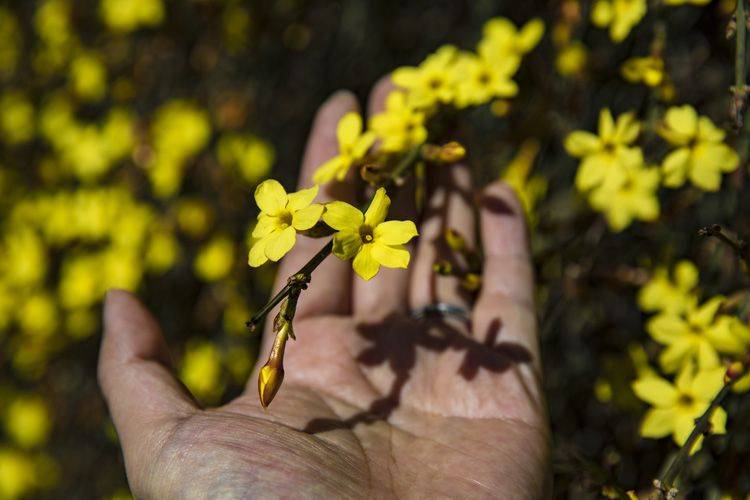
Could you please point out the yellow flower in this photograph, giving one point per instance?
(649, 70)
(478, 79)
(432, 81)
(201, 371)
(670, 295)
(127, 15)
(88, 76)
(400, 126)
(697, 334)
(17, 474)
(250, 156)
(529, 189)
(27, 421)
(214, 260)
(701, 155)
(353, 145)
(16, 118)
(604, 157)
(281, 216)
(501, 39)
(571, 59)
(619, 15)
(676, 406)
(635, 198)
(367, 238)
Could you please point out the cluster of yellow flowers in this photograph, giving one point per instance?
(621, 16)
(78, 217)
(449, 77)
(615, 177)
(695, 336)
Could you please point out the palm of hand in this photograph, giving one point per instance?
(374, 403)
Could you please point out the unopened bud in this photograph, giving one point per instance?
(372, 173)
(430, 152)
(472, 282)
(734, 371)
(269, 381)
(455, 241)
(443, 268)
(452, 152)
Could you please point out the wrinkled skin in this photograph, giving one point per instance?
(374, 404)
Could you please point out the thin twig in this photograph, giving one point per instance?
(664, 485)
(738, 245)
(740, 89)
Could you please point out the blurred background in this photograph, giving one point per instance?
(133, 132)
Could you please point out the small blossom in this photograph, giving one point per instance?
(634, 198)
(281, 216)
(671, 295)
(620, 16)
(368, 238)
(432, 81)
(648, 70)
(400, 126)
(700, 333)
(604, 157)
(503, 40)
(480, 79)
(571, 59)
(353, 145)
(676, 406)
(701, 155)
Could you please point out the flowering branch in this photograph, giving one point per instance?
(664, 485)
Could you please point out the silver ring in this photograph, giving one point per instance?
(440, 309)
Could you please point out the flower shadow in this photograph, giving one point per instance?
(394, 341)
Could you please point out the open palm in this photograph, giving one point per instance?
(375, 403)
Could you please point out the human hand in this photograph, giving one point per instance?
(374, 403)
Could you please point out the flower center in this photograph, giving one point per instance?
(435, 83)
(483, 78)
(285, 219)
(365, 232)
(686, 400)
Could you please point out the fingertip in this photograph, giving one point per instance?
(503, 222)
(130, 331)
(379, 94)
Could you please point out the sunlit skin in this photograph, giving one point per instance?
(373, 404)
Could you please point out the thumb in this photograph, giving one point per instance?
(143, 396)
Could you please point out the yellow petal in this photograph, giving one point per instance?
(667, 328)
(656, 391)
(602, 13)
(606, 124)
(684, 379)
(673, 356)
(591, 172)
(675, 167)
(707, 355)
(265, 225)
(330, 170)
(341, 216)
(346, 244)
(627, 128)
(686, 275)
(378, 208)
(270, 197)
(683, 426)
(530, 34)
(581, 143)
(718, 421)
(406, 77)
(658, 423)
(301, 198)
(704, 315)
(705, 176)
(257, 255)
(279, 244)
(348, 130)
(722, 336)
(307, 217)
(707, 131)
(681, 123)
(363, 144)
(364, 264)
(708, 383)
(390, 256)
(395, 232)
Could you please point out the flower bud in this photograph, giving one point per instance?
(734, 371)
(455, 241)
(443, 268)
(452, 152)
(269, 381)
(472, 282)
